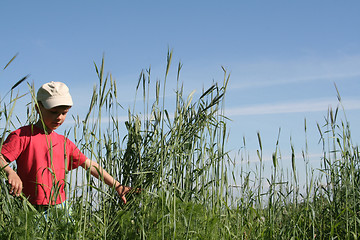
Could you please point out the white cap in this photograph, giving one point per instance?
(54, 94)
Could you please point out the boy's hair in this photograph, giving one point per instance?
(54, 94)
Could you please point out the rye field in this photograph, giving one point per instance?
(180, 160)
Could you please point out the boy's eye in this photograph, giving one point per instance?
(59, 112)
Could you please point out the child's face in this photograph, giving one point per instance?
(53, 117)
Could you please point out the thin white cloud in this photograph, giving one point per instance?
(291, 107)
(270, 73)
(314, 105)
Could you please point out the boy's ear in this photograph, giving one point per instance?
(37, 108)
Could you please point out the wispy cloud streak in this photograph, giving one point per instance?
(272, 73)
(291, 107)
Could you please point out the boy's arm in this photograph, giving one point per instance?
(100, 174)
(13, 178)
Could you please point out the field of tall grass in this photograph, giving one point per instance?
(189, 187)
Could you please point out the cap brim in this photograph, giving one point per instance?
(57, 101)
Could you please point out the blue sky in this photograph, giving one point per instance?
(283, 57)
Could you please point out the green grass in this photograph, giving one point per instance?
(180, 160)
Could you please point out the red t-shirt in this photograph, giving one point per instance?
(41, 162)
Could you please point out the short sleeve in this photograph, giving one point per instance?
(12, 146)
(75, 157)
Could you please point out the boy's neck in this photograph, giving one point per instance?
(39, 124)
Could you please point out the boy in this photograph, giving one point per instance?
(43, 155)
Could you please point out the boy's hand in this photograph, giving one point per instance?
(15, 183)
(122, 191)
